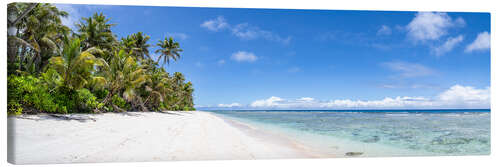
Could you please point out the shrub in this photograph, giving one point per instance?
(101, 94)
(30, 91)
(14, 108)
(120, 102)
(86, 101)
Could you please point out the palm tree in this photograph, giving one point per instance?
(136, 43)
(127, 44)
(169, 49)
(13, 10)
(76, 66)
(134, 76)
(188, 95)
(125, 77)
(177, 97)
(155, 90)
(141, 45)
(96, 32)
(40, 32)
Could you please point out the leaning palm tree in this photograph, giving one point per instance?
(134, 76)
(15, 13)
(169, 49)
(38, 32)
(125, 76)
(76, 66)
(155, 89)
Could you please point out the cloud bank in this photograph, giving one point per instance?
(229, 105)
(457, 96)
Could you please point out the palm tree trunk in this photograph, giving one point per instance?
(116, 108)
(106, 99)
(144, 109)
(31, 7)
(11, 50)
(21, 57)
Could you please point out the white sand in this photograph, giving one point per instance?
(116, 137)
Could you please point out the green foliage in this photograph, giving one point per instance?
(120, 102)
(14, 108)
(86, 101)
(31, 92)
(54, 70)
(34, 93)
(101, 94)
(76, 66)
(169, 49)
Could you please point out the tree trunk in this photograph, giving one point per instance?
(116, 108)
(141, 104)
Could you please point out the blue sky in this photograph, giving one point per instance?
(318, 59)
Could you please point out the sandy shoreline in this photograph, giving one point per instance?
(136, 136)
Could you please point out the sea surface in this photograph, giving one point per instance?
(378, 132)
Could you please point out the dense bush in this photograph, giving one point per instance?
(120, 102)
(31, 92)
(14, 108)
(101, 94)
(86, 101)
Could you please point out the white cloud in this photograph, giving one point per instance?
(482, 42)
(384, 30)
(270, 102)
(242, 56)
(202, 106)
(455, 97)
(460, 22)
(244, 31)
(409, 70)
(448, 45)
(178, 35)
(431, 25)
(466, 95)
(229, 105)
(221, 62)
(73, 15)
(216, 24)
(306, 99)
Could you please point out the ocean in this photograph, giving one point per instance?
(377, 132)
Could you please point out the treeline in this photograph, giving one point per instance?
(52, 68)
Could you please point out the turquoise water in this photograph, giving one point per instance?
(379, 132)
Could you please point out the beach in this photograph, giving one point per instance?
(142, 136)
(231, 135)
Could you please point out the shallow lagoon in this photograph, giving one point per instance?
(379, 132)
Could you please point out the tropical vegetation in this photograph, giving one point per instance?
(54, 69)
